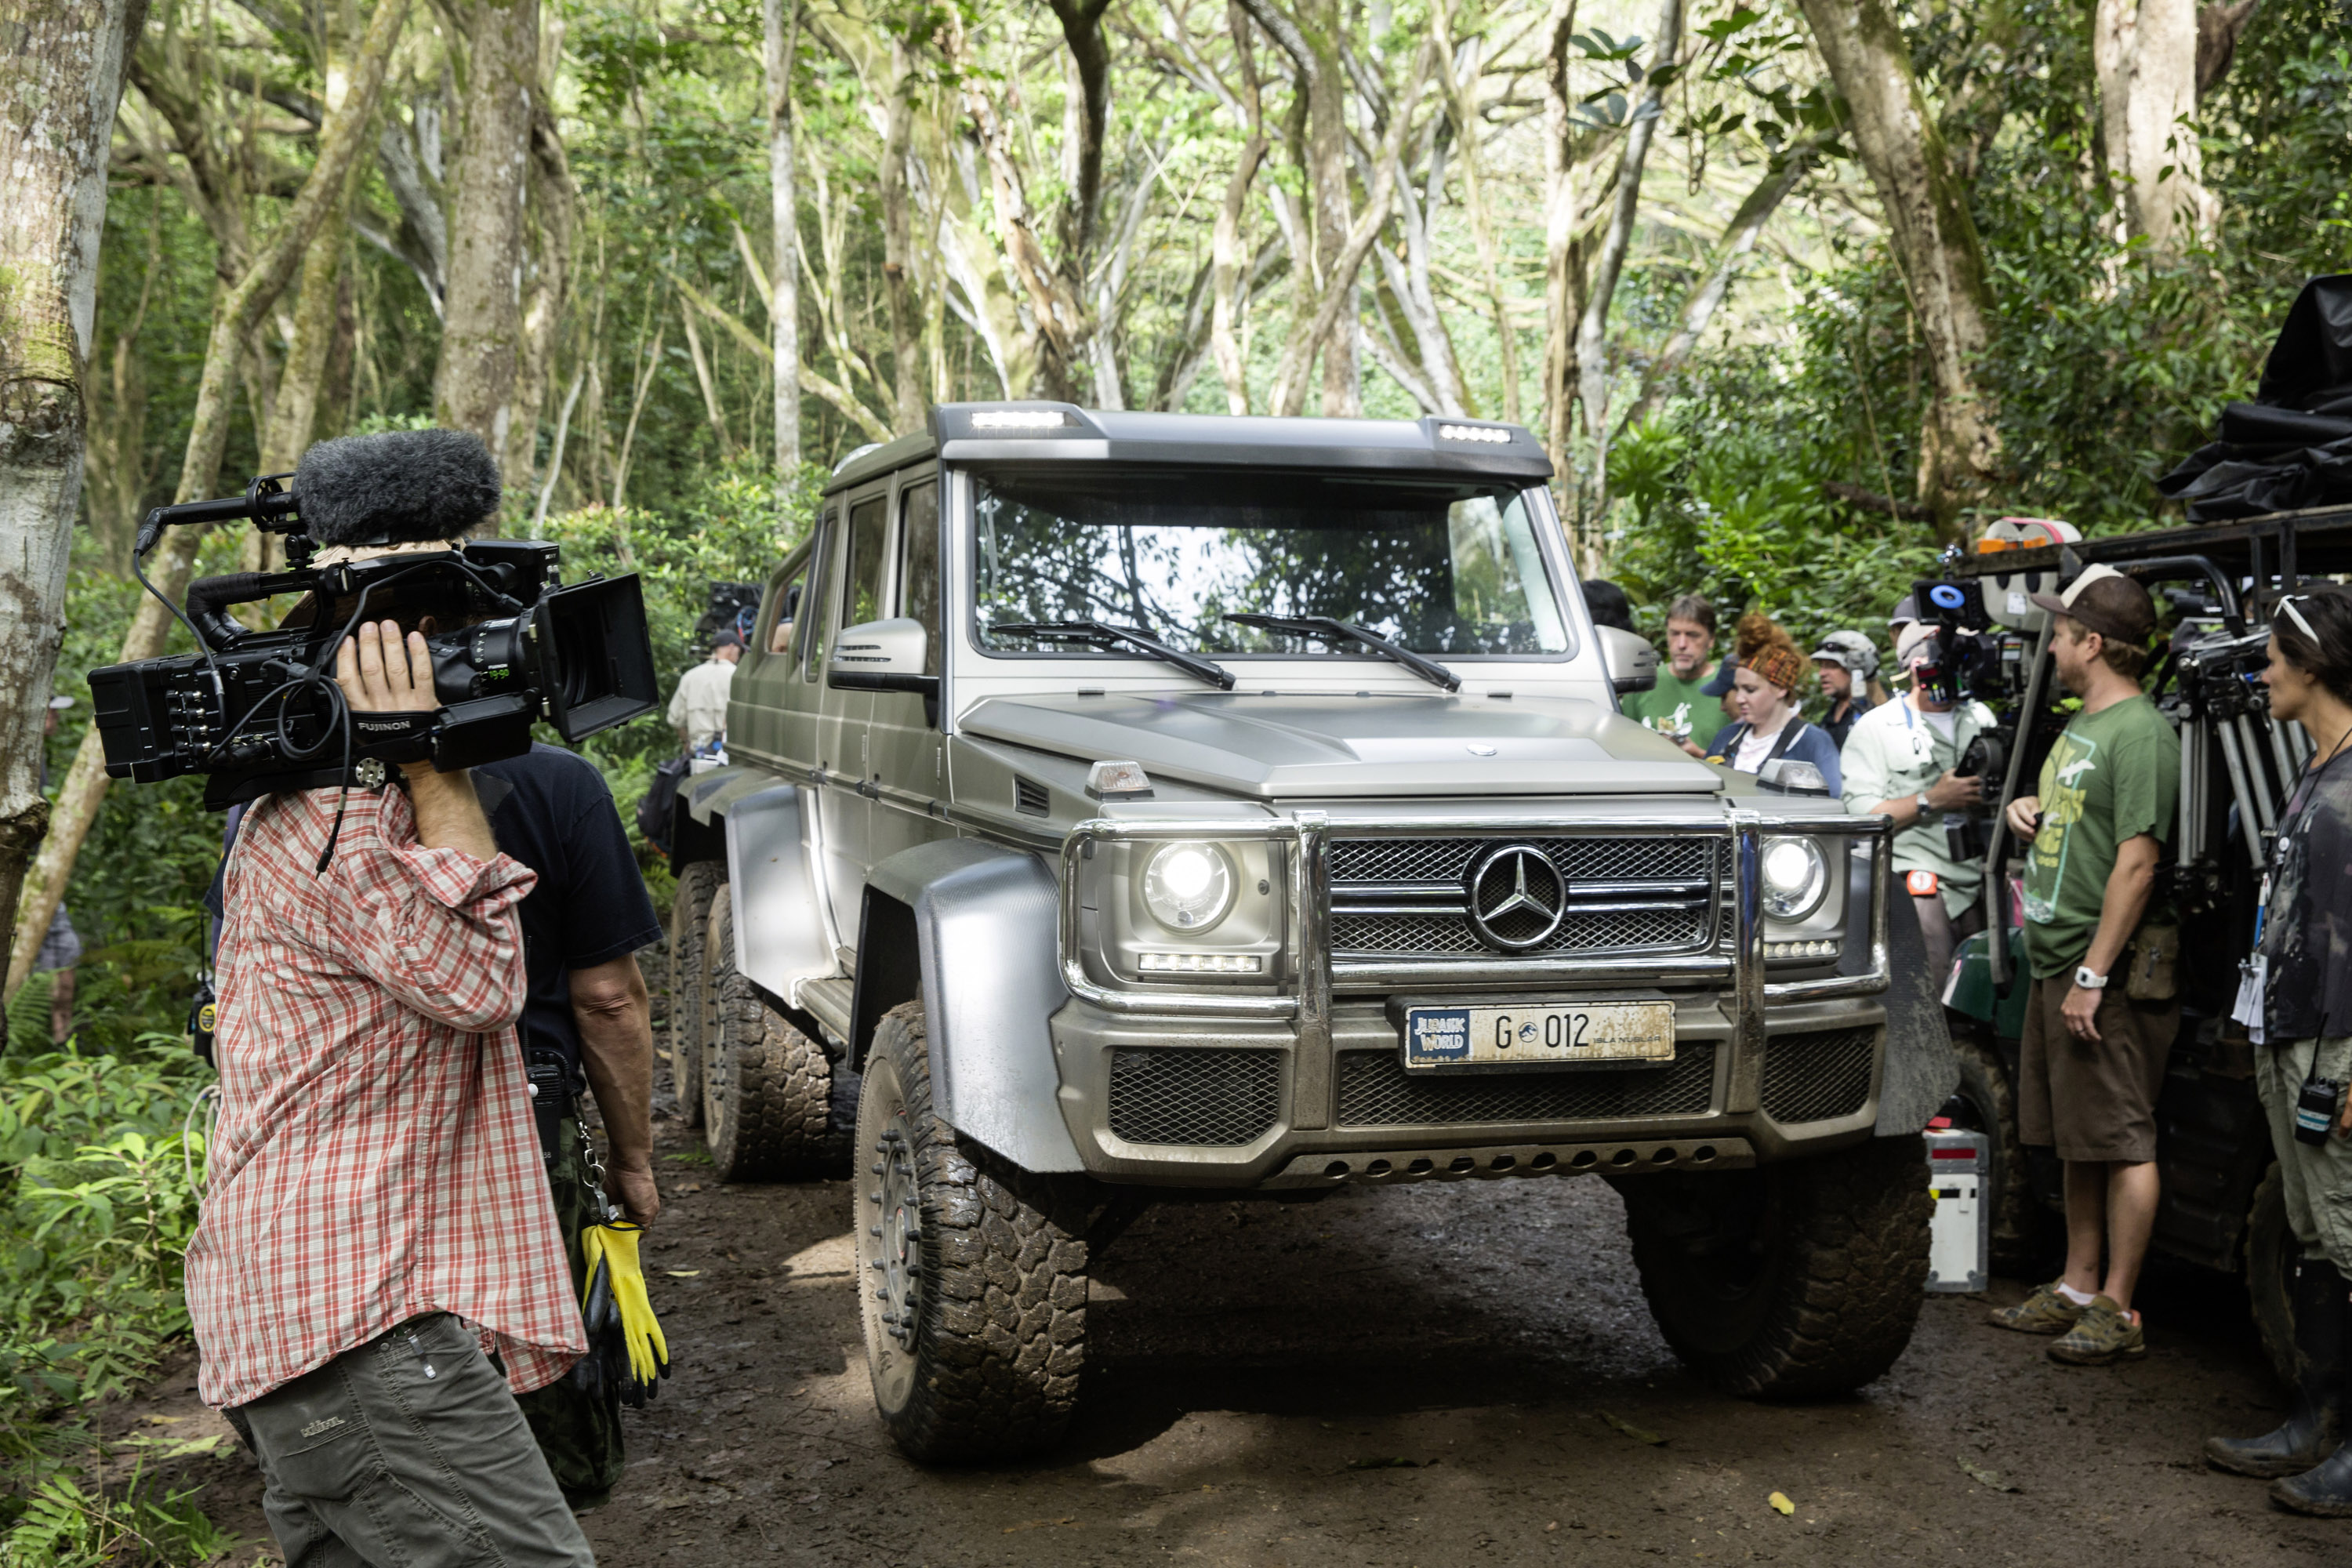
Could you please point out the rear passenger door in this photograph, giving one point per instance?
(909, 751)
(844, 744)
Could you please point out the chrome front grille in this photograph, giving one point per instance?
(1405, 897)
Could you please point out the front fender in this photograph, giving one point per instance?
(781, 937)
(984, 925)
(1921, 1070)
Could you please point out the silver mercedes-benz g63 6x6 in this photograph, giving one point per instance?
(1125, 804)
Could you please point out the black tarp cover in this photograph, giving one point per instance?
(2292, 447)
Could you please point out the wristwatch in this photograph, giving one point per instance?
(2090, 979)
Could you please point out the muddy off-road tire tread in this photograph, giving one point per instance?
(1001, 1342)
(2270, 1252)
(2020, 1227)
(690, 915)
(767, 1087)
(1845, 1290)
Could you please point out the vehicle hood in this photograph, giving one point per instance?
(1401, 744)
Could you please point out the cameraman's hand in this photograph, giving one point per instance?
(379, 674)
(2022, 811)
(1954, 791)
(633, 1190)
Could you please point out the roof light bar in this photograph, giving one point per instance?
(1020, 419)
(1484, 432)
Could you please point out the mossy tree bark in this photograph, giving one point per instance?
(59, 88)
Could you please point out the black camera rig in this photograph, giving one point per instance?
(260, 711)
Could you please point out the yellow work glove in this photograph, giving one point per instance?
(626, 1350)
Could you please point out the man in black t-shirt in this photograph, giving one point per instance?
(586, 1023)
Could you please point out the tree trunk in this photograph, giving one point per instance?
(1591, 328)
(1935, 242)
(781, 36)
(553, 202)
(1563, 215)
(2146, 55)
(340, 141)
(481, 332)
(898, 247)
(63, 77)
(1229, 259)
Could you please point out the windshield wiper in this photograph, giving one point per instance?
(1102, 633)
(1323, 629)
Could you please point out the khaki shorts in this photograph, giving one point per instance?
(2094, 1099)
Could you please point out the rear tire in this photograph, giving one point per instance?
(1791, 1280)
(767, 1089)
(689, 917)
(2020, 1227)
(972, 1273)
(2271, 1254)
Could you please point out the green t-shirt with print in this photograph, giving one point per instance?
(2113, 776)
(1677, 706)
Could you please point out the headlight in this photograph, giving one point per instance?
(1795, 877)
(1189, 887)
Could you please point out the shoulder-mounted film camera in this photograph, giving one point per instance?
(259, 710)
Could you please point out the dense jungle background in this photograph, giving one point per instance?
(1794, 299)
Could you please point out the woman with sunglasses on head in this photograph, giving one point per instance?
(1764, 689)
(2296, 1003)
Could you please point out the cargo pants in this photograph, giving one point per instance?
(2316, 1179)
(578, 1431)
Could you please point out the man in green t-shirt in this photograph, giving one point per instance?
(1678, 704)
(2092, 1059)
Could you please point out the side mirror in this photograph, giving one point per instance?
(881, 655)
(1631, 662)
(1787, 775)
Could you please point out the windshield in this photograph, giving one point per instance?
(1447, 569)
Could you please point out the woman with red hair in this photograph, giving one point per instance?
(1768, 727)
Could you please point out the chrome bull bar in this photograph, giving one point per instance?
(1738, 962)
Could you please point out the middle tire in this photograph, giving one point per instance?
(767, 1089)
(972, 1273)
(1793, 1279)
(689, 919)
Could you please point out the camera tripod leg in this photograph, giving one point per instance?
(2265, 800)
(2189, 838)
(2249, 823)
(2282, 753)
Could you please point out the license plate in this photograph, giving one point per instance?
(1538, 1036)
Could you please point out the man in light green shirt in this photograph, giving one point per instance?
(1678, 704)
(1900, 761)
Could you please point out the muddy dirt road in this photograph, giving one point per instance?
(1459, 1374)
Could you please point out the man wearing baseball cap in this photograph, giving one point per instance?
(2093, 1057)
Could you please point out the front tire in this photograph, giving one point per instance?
(1791, 1280)
(2020, 1227)
(971, 1274)
(767, 1089)
(689, 917)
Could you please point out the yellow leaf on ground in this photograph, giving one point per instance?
(1780, 1503)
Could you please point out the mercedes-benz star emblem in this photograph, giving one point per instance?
(1517, 897)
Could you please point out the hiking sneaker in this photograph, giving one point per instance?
(2105, 1333)
(2043, 1312)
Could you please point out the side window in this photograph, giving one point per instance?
(789, 592)
(919, 565)
(812, 617)
(861, 582)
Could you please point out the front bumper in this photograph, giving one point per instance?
(1190, 1102)
(1307, 1089)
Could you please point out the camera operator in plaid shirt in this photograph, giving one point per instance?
(377, 1217)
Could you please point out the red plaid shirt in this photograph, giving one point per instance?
(375, 1156)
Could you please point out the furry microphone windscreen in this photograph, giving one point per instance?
(400, 487)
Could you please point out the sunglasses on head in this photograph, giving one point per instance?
(2286, 602)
